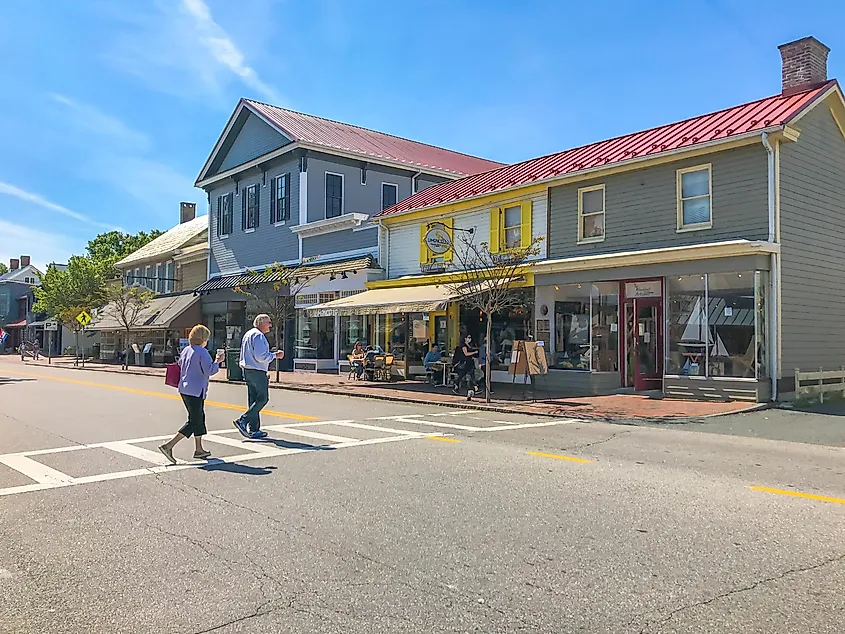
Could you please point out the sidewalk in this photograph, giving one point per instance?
(508, 398)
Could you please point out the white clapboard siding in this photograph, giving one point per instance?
(404, 242)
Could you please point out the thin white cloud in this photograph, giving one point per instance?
(44, 247)
(94, 121)
(178, 48)
(36, 199)
(111, 151)
(224, 50)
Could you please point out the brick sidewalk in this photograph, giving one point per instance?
(508, 398)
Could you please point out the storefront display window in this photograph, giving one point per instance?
(314, 337)
(417, 338)
(397, 335)
(506, 328)
(605, 324)
(717, 325)
(687, 332)
(586, 327)
(353, 328)
(572, 327)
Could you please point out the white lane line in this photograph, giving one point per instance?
(419, 421)
(146, 455)
(404, 432)
(509, 427)
(33, 470)
(455, 413)
(310, 434)
(195, 465)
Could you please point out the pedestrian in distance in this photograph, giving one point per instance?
(196, 367)
(463, 361)
(255, 361)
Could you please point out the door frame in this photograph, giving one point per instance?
(642, 383)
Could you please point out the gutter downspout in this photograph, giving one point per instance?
(773, 273)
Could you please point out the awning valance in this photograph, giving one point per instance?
(337, 267)
(380, 301)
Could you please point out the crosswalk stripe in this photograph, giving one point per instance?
(156, 457)
(403, 432)
(33, 470)
(257, 447)
(309, 434)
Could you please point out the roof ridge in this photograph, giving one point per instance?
(360, 127)
(819, 89)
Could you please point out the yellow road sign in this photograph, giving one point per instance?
(84, 318)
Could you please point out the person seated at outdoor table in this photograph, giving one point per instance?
(358, 358)
(432, 356)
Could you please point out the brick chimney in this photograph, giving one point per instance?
(804, 64)
(187, 212)
(14, 264)
(24, 261)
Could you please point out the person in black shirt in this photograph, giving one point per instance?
(464, 364)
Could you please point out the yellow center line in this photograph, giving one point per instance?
(443, 439)
(557, 457)
(796, 494)
(172, 397)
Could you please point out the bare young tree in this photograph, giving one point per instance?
(490, 281)
(274, 291)
(126, 306)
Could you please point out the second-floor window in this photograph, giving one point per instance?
(249, 208)
(280, 199)
(334, 195)
(160, 281)
(694, 198)
(169, 274)
(591, 214)
(389, 195)
(510, 226)
(224, 215)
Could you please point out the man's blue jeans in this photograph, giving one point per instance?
(258, 388)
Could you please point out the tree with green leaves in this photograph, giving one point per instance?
(3, 269)
(64, 294)
(112, 246)
(126, 305)
(274, 291)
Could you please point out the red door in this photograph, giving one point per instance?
(644, 340)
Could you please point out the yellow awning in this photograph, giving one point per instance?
(382, 301)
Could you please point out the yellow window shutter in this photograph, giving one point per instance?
(495, 229)
(525, 230)
(423, 245)
(449, 226)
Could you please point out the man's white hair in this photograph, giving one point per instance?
(259, 319)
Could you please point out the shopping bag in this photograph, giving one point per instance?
(172, 375)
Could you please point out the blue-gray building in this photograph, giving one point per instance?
(283, 186)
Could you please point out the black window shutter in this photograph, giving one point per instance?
(244, 196)
(273, 213)
(287, 197)
(228, 220)
(219, 215)
(257, 213)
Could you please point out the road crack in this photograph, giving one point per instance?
(729, 593)
(613, 436)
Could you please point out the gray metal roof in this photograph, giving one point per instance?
(161, 312)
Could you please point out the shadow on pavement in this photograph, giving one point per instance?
(288, 444)
(6, 379)
(831, 408)
(234, 467)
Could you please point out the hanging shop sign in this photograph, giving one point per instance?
(438, 240)
(635, 290)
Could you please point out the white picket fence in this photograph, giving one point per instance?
(808, 384)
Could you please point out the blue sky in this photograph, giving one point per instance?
(109, 108)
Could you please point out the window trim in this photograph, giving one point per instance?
(503, 237)
(274, 200)
(221, 214)
(395, 186)
(245, 207)
(699, 226)
(326, 195)
(581, 215)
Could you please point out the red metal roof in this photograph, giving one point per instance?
(755, 116)
(330, 134)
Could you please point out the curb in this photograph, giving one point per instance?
(483, 407)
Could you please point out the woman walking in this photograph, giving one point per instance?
(197, 367)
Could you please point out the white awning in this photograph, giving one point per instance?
(382, 301)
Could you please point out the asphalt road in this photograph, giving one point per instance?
(370, 517)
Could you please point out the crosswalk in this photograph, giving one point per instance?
(43, 469)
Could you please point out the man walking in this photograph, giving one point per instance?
(255, 361)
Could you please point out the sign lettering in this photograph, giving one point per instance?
(438, 240)
(643, 289)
